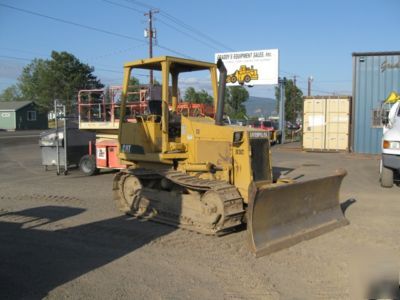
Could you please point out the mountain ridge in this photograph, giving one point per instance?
(260, 106)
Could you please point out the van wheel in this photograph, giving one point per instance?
(386, 177)
(87, 165)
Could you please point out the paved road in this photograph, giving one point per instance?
(19, 134)
(61, 237)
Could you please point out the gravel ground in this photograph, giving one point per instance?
(61, 237)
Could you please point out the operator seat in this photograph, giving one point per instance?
(155, 107)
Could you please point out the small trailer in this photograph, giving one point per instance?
(75, 142)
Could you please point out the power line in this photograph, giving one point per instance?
(168, 16)
(116, 52)
(71, 23)
(322, 91)
(95, 68)
(125, 6)
(108, 70)
(139, 11)
(16, 58)
(182, 24)
(163, 22)
(119, 72)
(306, 89)
(192, 29)
(173, 51)
(88, 27)
(316, 90)
(23, 51)
(147, 6)
(335, 81)
(289, 73)
(187, 34)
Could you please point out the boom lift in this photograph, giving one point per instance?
(200, 174)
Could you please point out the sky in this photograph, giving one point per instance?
(314, 38)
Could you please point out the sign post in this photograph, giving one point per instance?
(282, 83)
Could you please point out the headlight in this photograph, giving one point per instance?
(47, 143)
(237, 137)
(391, 145)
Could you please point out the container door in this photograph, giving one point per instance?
(314, 124)
(337, 127)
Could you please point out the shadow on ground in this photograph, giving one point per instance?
(346, 204)
(279, 171)
(34, 260)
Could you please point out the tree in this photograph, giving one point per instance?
(12, 93)
(235, 98)
(191, 95)
(133, 87)
(204, 97)
(293, 101)
(60, 77)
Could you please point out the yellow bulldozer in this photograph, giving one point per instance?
(206, 176)
(244, 74)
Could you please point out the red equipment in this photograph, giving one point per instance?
(99, 111)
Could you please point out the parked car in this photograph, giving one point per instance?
(292, 126)
(266, 125)
(272, 127)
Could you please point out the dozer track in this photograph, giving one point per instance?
(178, 199)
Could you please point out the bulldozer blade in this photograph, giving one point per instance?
(286, 214)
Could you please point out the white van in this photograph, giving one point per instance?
(390, 162)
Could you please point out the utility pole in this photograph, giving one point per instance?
(294, 98)
(282, 83)
(310, 80)
(150, 33)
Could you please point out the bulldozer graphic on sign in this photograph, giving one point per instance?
(243, 75)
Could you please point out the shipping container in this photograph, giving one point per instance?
(375, 76)
(326, 123)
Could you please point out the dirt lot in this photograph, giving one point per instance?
(61, 237)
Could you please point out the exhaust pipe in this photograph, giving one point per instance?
(221, 93)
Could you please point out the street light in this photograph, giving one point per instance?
(310, 80)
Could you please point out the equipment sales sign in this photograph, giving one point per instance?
(259, 67)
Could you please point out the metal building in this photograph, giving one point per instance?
(17, 115)
(375, 75)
